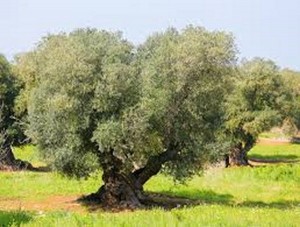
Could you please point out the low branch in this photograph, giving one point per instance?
(154, 165)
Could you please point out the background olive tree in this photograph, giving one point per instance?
(260, 100)
(10, 131)
(291, 78)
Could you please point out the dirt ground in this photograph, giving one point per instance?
(271, 142)
(63, 203)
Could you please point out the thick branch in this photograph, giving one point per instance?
(249, 144)
(153, 166)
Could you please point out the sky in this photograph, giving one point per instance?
(263, 28)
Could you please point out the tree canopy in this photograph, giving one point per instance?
(96, 101)
(175, 103)
(259, 101)
(11, 132)
(8, 92)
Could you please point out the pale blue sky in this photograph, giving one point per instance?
(265, 28)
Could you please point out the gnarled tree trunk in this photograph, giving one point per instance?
(9, 162)
(6, 156)
(237, 157)
(118, 191)
(238, 154)
(126, 190)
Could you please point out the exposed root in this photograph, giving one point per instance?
(147, 200)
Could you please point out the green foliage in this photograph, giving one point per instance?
(7, 94)
(287, 173)
(276, 152)
(14, 218)
(78, 81)
(292, 80)
(10, 130)
(90, 93)
(260, 101)
(8, 88)
(185, 76)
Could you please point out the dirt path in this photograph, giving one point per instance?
(70, 203)
(265, 141)
(63, 203)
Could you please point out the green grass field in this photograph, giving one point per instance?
(261, 196)
(286, 152)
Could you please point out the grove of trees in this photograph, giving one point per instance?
(174, 104)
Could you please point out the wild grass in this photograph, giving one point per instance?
(260, 196)
(14, 218)
(277, 152)
(205, 215)
(29, 153)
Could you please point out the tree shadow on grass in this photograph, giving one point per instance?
(186, 198)
(281, 204)
(295, 140)
(274, 158)
(200, 196)
(43, 169)
(14, 218)
(190, 198)
(167, 200)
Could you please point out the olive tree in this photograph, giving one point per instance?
(10, 132)
(259, 101)
(292, 81)
(97, 102)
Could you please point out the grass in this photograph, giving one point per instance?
(212, 215)
(28, 153)
(14, 218)
(261, 196)
(277, 152)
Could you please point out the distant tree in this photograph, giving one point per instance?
(292, 80)
(259, 101)
(10, 132)
(94, 101)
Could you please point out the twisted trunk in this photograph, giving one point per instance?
(120, 190)
(237, 157)
(153, 166)
(238, 154)
(6, 156)
(9, 162)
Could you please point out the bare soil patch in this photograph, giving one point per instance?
(64, 203)
(73, 203)
(264, 162)
(265, 141)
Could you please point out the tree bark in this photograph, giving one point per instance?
(118, 189)
(153, 166)
(6, 156)
(237, 156)
(125, 191)
(9, 162)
